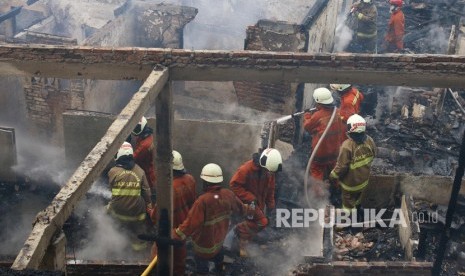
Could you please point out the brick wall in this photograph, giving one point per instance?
(278, 98)
(270, 36)
(47, 99)
(367, 268)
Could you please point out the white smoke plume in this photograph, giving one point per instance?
(221, 25)
(104, 241)
(343, 35)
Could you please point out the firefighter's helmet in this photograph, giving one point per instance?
(339, 87)
(125, 149)
(356, 124)
(140, 126)
(271, 160)
(212, 173)
(397, 3)
(323, 96)
(177, 161)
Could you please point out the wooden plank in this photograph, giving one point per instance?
(50, 220)
(8, 154)
(134, 63)
(164, 133)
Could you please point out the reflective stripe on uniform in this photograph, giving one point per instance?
(216, 220)
(361, 163)
(367, 35)
(347, 208)
(125, 192)
(139, 246)
(207, 250)
(354, 102)
(353, 188)
(180, 233)
(333, 174)
(127, 218)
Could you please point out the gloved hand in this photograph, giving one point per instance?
(149, 208)
(359, 15)
(251, 209)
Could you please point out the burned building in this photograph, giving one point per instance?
(85, 94)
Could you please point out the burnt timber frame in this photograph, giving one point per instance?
(138, 63)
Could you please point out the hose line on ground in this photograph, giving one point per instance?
(307, 170)
(150, 266)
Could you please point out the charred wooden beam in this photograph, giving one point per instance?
(136, 63)
(52, 218)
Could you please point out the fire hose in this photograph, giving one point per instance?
(313, 154)
(150, 266)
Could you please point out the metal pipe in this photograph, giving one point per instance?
(450, 210)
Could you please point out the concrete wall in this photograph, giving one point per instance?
(321, 40)
(228, 144)
(384, 189)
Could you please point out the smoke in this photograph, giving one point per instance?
(221, 25)
(40, 162)
(343, 35)
(104, 240)
(437, 39)
(18, 213)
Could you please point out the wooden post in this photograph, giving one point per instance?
(164, 132)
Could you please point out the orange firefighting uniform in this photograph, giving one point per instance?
(395, 33)
(208, 220)
(252, 183)
(326, 156)
(350, 103)
(183, 198)
(143, 155)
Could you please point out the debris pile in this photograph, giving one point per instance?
(348, 245)
(418, 131)
(371, 244)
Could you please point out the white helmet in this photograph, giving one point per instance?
(271, 160)
(366, 1)
(140, 126)
(323, 96)
(339, 87)
(125, 149)
(356, 124)
(177, 161)
(212, 173)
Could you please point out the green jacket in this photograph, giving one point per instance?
(366, 15)
(130, 193)
(354, 163)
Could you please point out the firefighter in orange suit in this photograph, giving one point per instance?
(351, 100)
(144, 151)
(254, 184)
(316, 123)
(394, 39)
(130, 195)
(183, 197)
(208, 220)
